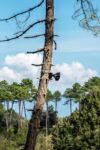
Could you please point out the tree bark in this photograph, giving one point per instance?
(19, 103)
(19, 116)
(55, 105)
(10, 115)
(70, 106)
(7, 116)
(47, 118)
(25, 114)
(34, 124)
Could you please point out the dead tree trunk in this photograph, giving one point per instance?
(34, 124)
(47, 118)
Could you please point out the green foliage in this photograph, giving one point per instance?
(74, 93)
(13, 141)
(44, 143)
(22, 91)
(81, 130)
(95, 81)
(1, 108)
(52, 119)
(2, 123)
(27, 84)
(9, 120)
(5, 91)
(49, 96)
(57, 96)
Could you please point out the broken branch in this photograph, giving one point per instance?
(35, 36)
(38, 51)
(37, 65)
(39, 35)
(23, 32)
(23, 12)
(55, 44)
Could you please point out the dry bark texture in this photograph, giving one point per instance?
(34, 124)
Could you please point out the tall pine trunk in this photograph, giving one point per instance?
(34, 124)
(70, 106)
(7, 116)
(56, 105)
(11, 114)
(25, 114)
(19, 116)
(47, 118)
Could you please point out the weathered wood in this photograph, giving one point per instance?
(38, 51)
(34, 124)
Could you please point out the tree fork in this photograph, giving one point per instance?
(34, 124)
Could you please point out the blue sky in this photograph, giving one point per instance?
(72, 37)
(78, 50)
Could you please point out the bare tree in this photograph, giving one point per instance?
(46, 67)
(88, 13)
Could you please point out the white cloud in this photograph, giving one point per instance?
(22, 60)
(71, 73)
(19, 66)
(9, 74)
(22, 64)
